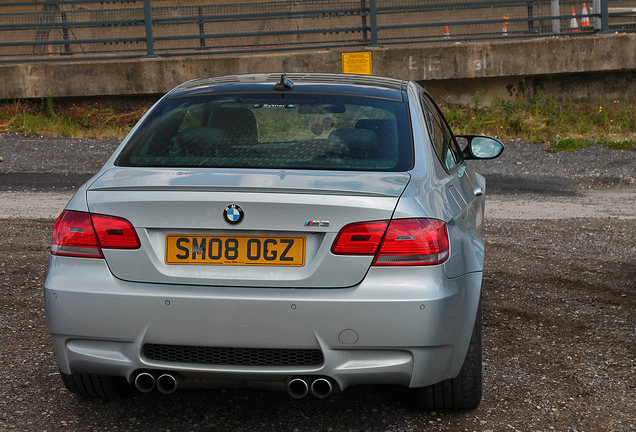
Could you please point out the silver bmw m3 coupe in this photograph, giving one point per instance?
(302, 232)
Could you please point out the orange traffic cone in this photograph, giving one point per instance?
(446, 33)
(585, 20)
(574, 25)
(504, 27)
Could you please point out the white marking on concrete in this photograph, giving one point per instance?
(32, 205)
(611, 203)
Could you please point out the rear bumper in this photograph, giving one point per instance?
(391, 329)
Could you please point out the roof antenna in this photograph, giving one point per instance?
(284, 84)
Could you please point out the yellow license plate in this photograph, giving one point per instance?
(235, 250)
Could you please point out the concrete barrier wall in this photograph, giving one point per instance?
(586, 67)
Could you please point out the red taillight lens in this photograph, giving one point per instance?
(74, 235)
(77, 233)
(359, 238)
(406, 242)
(414, 242)
(115, 233)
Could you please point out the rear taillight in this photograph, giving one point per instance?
(81, 234)
(115, 233)
(74, 235)
(414, 242)
(404, 242)
(359, 238)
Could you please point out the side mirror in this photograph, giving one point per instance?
(481, 147)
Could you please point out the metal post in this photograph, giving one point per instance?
(373, 18)
(596, 8)
(64, 19)
(604, 16)
(363, 6)
(150, 41)
(556, 11)
(201, 28)
(530, 17)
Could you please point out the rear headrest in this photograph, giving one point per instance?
(200, 141)
(386, 129)
(355, 137)
(355, 143)
(239, 125)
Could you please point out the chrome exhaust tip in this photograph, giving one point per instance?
(145, 382)
(297, 388)
(321, 388)
(167, 383)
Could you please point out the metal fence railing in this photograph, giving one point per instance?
(52, 30)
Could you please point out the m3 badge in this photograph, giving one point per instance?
(316, 223)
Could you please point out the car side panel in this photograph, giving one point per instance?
(448, 196)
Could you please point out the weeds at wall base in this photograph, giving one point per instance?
(78, 121)
(540, 118)
(573, 145)
(549, 119)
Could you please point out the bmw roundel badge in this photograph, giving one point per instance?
(233, 214)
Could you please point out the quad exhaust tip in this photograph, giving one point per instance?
(320, 387)
(298, 388)
(145, 382)
(167, 383)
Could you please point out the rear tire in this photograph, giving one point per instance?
(94, 386)
(465, 390)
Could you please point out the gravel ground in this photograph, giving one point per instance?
(559, 316)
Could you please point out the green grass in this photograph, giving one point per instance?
(78, 121)
(560, 122)
(569, 144)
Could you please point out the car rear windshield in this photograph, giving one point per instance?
(312, 132)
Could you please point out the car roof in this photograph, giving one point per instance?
(306, 83)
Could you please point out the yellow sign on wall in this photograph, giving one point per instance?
(358, 63)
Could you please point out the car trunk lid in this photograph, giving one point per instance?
(289, 221)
